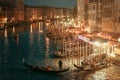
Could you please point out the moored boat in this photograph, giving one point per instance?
(85, 68)
(89, 68)
(79, 67)
(59, 55)
(43, 69)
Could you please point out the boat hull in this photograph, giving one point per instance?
(43, 69)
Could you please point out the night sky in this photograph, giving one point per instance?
(52, 3)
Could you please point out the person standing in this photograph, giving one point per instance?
(60, 64)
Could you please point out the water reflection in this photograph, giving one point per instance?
(31, 28)
(13, 29)
(31, 47)
(5, 32)
(99, 76)
(39, 26)
(47, 41)
(6, 51)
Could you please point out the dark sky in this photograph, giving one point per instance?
(54, 3)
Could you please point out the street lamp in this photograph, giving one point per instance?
(5, 20)
(96, 43)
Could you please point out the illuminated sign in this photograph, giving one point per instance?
(86, 39)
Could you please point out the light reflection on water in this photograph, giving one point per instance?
(31, 47)
(99, 76)
(109, 73)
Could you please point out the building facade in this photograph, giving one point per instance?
(19, 10)
(117, 16)
(95, 15)
(6, 10)
(45, 13)
(82, 13)
(101, 15)
(108, 15)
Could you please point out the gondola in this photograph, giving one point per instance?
(79, 67)
(88, 68)
(82, 67)
(43, 69)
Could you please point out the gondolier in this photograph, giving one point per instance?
(60, 64)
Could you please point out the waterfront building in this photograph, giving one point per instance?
(82, 12)
(33, 13)
(95, 15)
(101, 15)
(80, 9)
(6, 10)
(116, 23)
(74, 13)
(27, 13)
(19, 10)
(108, 15)
(104, 22)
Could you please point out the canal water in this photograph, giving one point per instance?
(31, 47)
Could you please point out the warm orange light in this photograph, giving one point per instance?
(5, 20)
(112, 55)
(96, 43)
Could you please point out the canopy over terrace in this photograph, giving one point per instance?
(99, 45)
(92, 39)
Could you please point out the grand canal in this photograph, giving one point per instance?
(31, 47)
